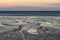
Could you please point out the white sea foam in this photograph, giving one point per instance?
(12, 22)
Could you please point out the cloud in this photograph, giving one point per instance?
(25, 8)
(54, 4)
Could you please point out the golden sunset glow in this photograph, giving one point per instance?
(34, 3)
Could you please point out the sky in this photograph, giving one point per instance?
(30, 5)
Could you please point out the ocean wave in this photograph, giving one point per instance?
(29, 22)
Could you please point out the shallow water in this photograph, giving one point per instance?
(30, 26)
(12, 22)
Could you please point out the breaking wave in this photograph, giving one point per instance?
(8, 23)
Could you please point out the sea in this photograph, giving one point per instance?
(29, 13)
(33, 24)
